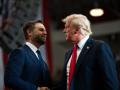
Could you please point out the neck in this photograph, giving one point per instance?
(34, 43)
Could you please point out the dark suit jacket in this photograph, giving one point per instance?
(24, 71)
(95, 68)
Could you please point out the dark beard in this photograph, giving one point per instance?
(39, 40)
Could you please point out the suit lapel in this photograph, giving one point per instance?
(68, 56)
(83, 53)
(31, 54)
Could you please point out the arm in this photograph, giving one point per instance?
(107, 66)
(14, 70)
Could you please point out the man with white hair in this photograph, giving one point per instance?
(89, 65)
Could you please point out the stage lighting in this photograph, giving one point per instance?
(96, 12)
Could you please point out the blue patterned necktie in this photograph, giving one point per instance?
(44, 68)
(39, 54)
(40, 57)
(44, 64)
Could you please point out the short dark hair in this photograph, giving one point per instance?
(29, 26)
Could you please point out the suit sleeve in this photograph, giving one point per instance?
(107, 66)
(13, 71)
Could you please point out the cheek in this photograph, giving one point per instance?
(69, 36)
(34, 35)
(75, 37)
(38, 34)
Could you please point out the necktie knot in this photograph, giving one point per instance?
(75, 47)
(38, 52)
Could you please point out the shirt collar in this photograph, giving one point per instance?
(32, 47)
(82, 42)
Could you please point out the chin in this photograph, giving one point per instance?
(41, 42)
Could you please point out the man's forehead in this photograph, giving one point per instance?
(67, 24)
(39, 25)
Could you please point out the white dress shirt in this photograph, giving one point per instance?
(80, 47)
(32, 47)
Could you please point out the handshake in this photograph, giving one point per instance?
(43, 88)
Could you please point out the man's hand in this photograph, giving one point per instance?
(42, 88)
(38, 88)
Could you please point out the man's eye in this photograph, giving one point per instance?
(41, 30)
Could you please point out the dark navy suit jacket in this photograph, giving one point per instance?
(24, 71)
(95, 68)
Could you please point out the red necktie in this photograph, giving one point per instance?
(72, 64)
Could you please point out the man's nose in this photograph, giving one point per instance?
(64, 30)
(45, 32)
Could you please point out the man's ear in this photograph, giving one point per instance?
(29, 33)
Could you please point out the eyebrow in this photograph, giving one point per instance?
(42, 29)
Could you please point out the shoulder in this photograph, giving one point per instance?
(103, 48)
(100, 46)
(100, 43)
(18, 52)
(16, 57)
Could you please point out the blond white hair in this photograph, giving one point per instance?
(79, 21)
